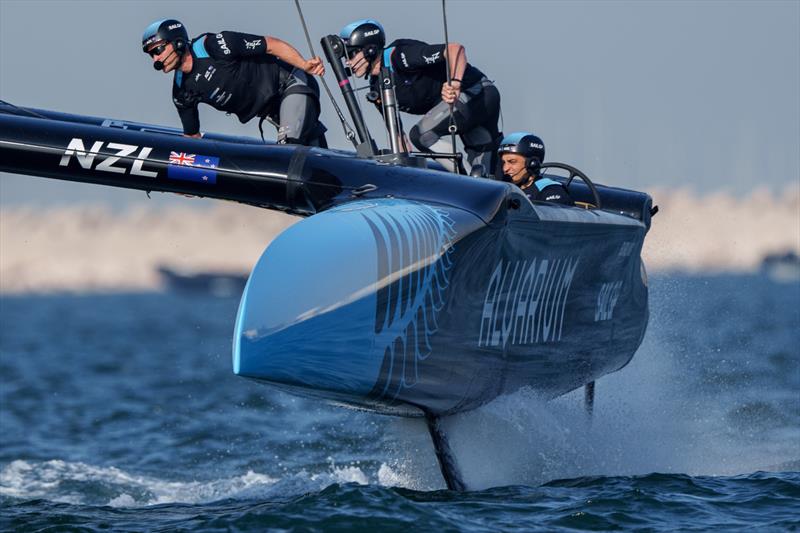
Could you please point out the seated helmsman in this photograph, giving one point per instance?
(521, 155)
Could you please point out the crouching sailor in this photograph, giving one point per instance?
(421, 88)
(247, 75)
(521, 155)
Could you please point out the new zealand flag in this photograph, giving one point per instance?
(192, 167)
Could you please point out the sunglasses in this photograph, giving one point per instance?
(158, 50)
(352, 52)
(370, 52)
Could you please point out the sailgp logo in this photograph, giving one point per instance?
(222, 44)
(607, 301)
(525, 302)
(106, 162)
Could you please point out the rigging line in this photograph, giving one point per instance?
(452, 128)
(348, 130)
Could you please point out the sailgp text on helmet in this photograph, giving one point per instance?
(364, 35)
(168, 31)
(527, 145)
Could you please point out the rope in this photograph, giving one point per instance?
(348, 130)
(452, 128)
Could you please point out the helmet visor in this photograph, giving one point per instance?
(506, 148)
(158, 49)
(351, 51)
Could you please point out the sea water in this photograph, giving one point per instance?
(121, 412)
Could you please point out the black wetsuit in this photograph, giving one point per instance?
(419, 72)
(232, 72)
(548, 190)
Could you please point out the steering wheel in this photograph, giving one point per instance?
(573, 173)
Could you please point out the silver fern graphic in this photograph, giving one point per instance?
(414, 262)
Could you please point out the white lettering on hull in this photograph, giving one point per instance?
(607, 300)
(86, 158)
(525, 302)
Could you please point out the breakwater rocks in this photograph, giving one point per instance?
(78, 249)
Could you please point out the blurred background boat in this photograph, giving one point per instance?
(782, 267)
(214, 283)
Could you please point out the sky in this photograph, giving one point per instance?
(643, 95)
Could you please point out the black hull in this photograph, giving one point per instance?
(443, 312)
(405, 289)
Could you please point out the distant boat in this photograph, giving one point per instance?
(219, 284)
(781, 267)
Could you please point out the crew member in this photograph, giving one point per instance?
(247, 75)
(421, 88)
(521, 155)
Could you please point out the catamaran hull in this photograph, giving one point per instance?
(406, 290)
(403, 308)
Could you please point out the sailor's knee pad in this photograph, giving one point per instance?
(413, 135)
(423, 140)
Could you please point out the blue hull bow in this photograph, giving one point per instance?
(402, 307)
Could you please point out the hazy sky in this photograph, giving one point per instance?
(637, 94)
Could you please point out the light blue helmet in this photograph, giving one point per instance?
(365, 35)
(167, 30)
(525, 144)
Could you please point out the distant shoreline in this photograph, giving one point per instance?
(97, 249)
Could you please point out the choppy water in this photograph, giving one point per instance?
(122, 412)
